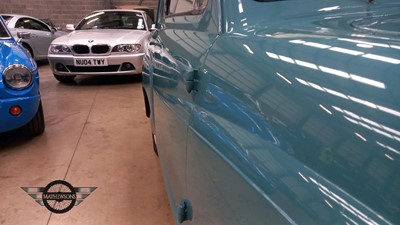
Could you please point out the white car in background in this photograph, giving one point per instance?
(105, 42)
(41, 34)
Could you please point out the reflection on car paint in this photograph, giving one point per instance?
(294, 117)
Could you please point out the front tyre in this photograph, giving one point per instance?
(65, 79)
(36, 125)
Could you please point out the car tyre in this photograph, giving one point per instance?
(36, 125)
(155, 144)
(65, 79)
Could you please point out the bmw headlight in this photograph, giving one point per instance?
(128, 48)
(17, 77)
(59, 49)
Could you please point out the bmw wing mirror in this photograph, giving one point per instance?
(153, 27)
(70, 27)
(23, 35)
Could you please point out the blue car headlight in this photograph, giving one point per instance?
(59, 49)
(17, 77)
(128, 48)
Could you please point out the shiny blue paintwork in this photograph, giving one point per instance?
(292, 114)
(28, 99)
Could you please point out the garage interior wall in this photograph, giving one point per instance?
(64, 12)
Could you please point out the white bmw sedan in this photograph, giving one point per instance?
(41, 34)
(105, 42)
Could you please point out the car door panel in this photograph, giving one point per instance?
(241, 126)
(172, 79)
(42, 40)
(223, 182)
(171, 119)
(220, 192)
(280, 130)
(172, 109)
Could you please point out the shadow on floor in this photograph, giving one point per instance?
(13, 138)
(43, 62)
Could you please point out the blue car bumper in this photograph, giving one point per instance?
(29, 106)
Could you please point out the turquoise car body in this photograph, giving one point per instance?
(28, 99)
(278, 112)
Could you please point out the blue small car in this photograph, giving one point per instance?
(280, 112)
(20, 102)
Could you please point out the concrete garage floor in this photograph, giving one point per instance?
(96, 135)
